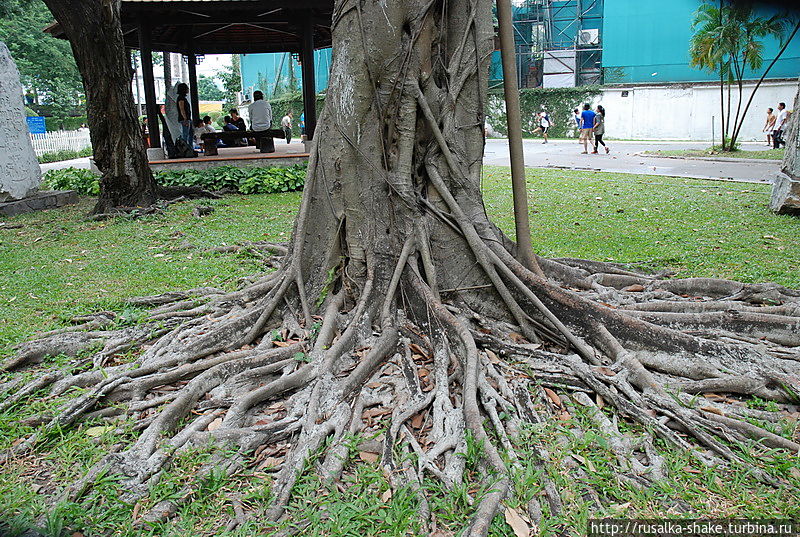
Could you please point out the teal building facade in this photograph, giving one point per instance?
(647, 41)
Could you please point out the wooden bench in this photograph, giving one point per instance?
(264, 139)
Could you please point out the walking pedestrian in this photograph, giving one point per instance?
(286, 125)
(599, 129)
(576, 117)
(587, 126)
(769, 126)
(544, 124)
(780, 125)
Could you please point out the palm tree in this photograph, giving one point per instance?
(728, 40)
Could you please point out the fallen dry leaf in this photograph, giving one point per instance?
(214, 425)
(416, 421)
(369, 457)
(492, 357)
(554, 398)
(516, 522)
(386, 496)
(635, 288)
(517, 338)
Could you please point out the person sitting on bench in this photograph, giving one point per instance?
(230, 126)
(260, 115)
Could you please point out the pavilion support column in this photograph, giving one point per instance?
(151, 106)
(309, 83)
(194, 93)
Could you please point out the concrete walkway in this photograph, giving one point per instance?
(624, 159)
(74, 163)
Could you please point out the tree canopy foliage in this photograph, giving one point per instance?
(47, 68)
(231, 78)
(208, 89)
(729, 40)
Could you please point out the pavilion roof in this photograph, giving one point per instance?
(224, 26)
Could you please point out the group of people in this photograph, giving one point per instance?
(592, 127)
(260, 112)
(776, 125)
(590, 123)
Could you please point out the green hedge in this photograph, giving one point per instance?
(64, 123)
(293, 102)
(64, 154)
(243, 180)
(558, 102)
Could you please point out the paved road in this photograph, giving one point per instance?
(623, 159)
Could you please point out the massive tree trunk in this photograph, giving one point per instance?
(95, 33)
(398, 297)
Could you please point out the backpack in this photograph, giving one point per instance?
(183, 150)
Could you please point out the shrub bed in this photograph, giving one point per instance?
(64, 154)
(242, 180)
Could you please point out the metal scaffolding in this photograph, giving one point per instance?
(558, 42)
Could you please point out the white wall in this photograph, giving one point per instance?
(684, 112)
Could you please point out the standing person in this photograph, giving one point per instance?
(769, 126)
(544, 124)
(576, 116)
(185, 113)
(780, 125)
(303, 126)
(286, 125)
(260, 115)
(587, 126)
(600, 129)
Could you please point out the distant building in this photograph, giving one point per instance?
(279, 73)
(638, 50)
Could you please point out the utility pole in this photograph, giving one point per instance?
(525, 253)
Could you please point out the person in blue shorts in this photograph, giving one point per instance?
(587, 126)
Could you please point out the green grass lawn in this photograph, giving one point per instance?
(58, 265)
(771, 154)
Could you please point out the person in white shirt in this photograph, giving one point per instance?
(780, 126)
(208, 126)
(544, 124)
(260, 114)
(286, 125)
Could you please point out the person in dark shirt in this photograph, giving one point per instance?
(229, 126)
(587, 127)
(238, 121)
(185, 114)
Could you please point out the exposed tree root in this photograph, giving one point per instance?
(439, 370)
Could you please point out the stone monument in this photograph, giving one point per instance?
(20, 174)
(786, 188)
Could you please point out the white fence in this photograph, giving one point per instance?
(51, 142)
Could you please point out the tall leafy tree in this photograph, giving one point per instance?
(208, 89)
(47, 68)
(231, 78)
(729, 40)
(94, 31)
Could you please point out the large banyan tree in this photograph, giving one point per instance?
(397, 294)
